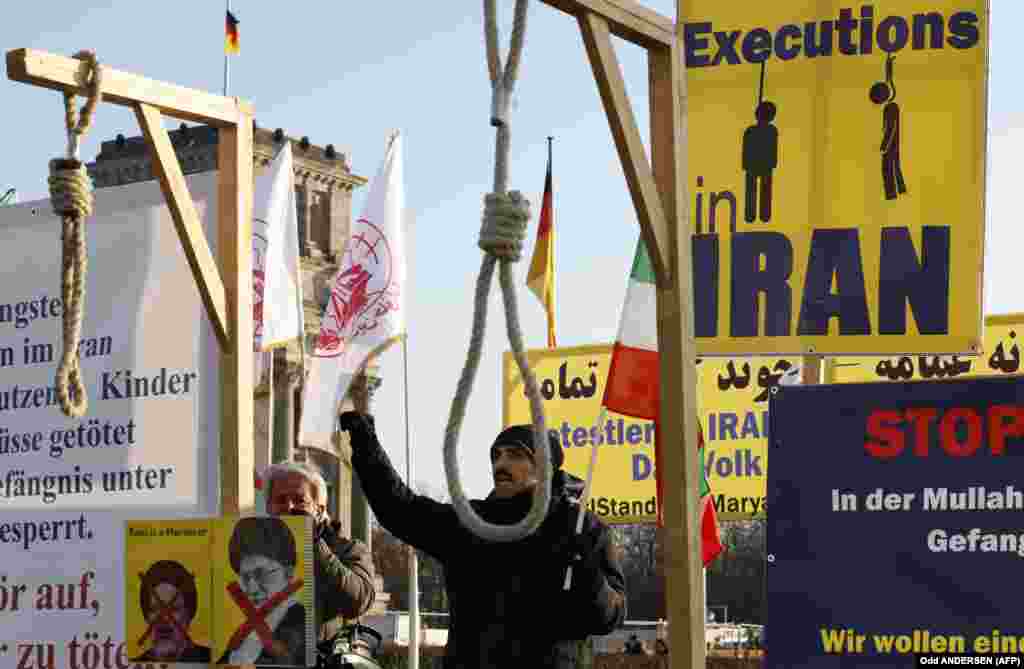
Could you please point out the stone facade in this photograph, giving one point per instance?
(324, 184)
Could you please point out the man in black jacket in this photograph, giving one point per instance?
(506, 600)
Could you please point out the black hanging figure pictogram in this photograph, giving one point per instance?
(760, 158)
(892, 171)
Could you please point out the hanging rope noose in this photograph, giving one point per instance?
(71, 197)
(501, 237)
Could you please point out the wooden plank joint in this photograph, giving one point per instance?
(627, 19)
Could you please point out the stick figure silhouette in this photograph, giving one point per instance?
(760, 157)
(892, 170)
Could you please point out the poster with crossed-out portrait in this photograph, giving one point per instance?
(232, 590)
(263, 591)
(168, 591)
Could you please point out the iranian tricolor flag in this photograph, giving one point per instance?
(633, 389)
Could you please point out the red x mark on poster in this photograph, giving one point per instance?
(255, 618)
(164, 614)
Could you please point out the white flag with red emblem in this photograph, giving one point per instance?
(365, 313)
(277, 285)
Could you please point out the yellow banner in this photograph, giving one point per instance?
(837, 175)
(572, 382)
(1001, 355)
(733, 400)
(733, 396)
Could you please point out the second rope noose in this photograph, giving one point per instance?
(501, 237)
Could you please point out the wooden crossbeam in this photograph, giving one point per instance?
(627, 19)
(646, 198)
(186, 219)
(124, 88)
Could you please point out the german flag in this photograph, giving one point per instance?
(231, 34)
(541, 276)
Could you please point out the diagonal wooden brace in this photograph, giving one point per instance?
(186, 219)
(639, 177)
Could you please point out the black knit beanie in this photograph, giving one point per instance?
(522, 435)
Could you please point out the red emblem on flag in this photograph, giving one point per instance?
(364, 292)
(259, 268)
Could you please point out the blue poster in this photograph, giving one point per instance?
(895, 522)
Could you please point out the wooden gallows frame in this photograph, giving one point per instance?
(658, 190)
(225, 286)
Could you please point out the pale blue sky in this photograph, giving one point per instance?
(347, 73)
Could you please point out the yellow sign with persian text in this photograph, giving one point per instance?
(572, 382)
(733, 401)
(1001, 355)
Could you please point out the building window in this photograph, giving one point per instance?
(300, 205)
(320, 225)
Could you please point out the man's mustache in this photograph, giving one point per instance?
(502, 473)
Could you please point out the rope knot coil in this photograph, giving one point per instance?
(71, 189)
(505, 219)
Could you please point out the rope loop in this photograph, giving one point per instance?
(70, 389)
(504, 225)
(78, 124)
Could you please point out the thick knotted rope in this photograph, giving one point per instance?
(71, 197)
(501, 236)
(504, 225)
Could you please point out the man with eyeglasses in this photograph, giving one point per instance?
(344, 567)
(507, 605)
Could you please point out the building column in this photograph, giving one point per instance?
(310, 247)
(263, 423)
(302, 206)
(286, 381)
(339, 208)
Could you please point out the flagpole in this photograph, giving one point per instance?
(226, 55)
(414, 586)
(271, 407)
(551, 247)
(587, 489)
(551, 251)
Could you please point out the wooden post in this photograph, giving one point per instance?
(234, 222)
(684, 579)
